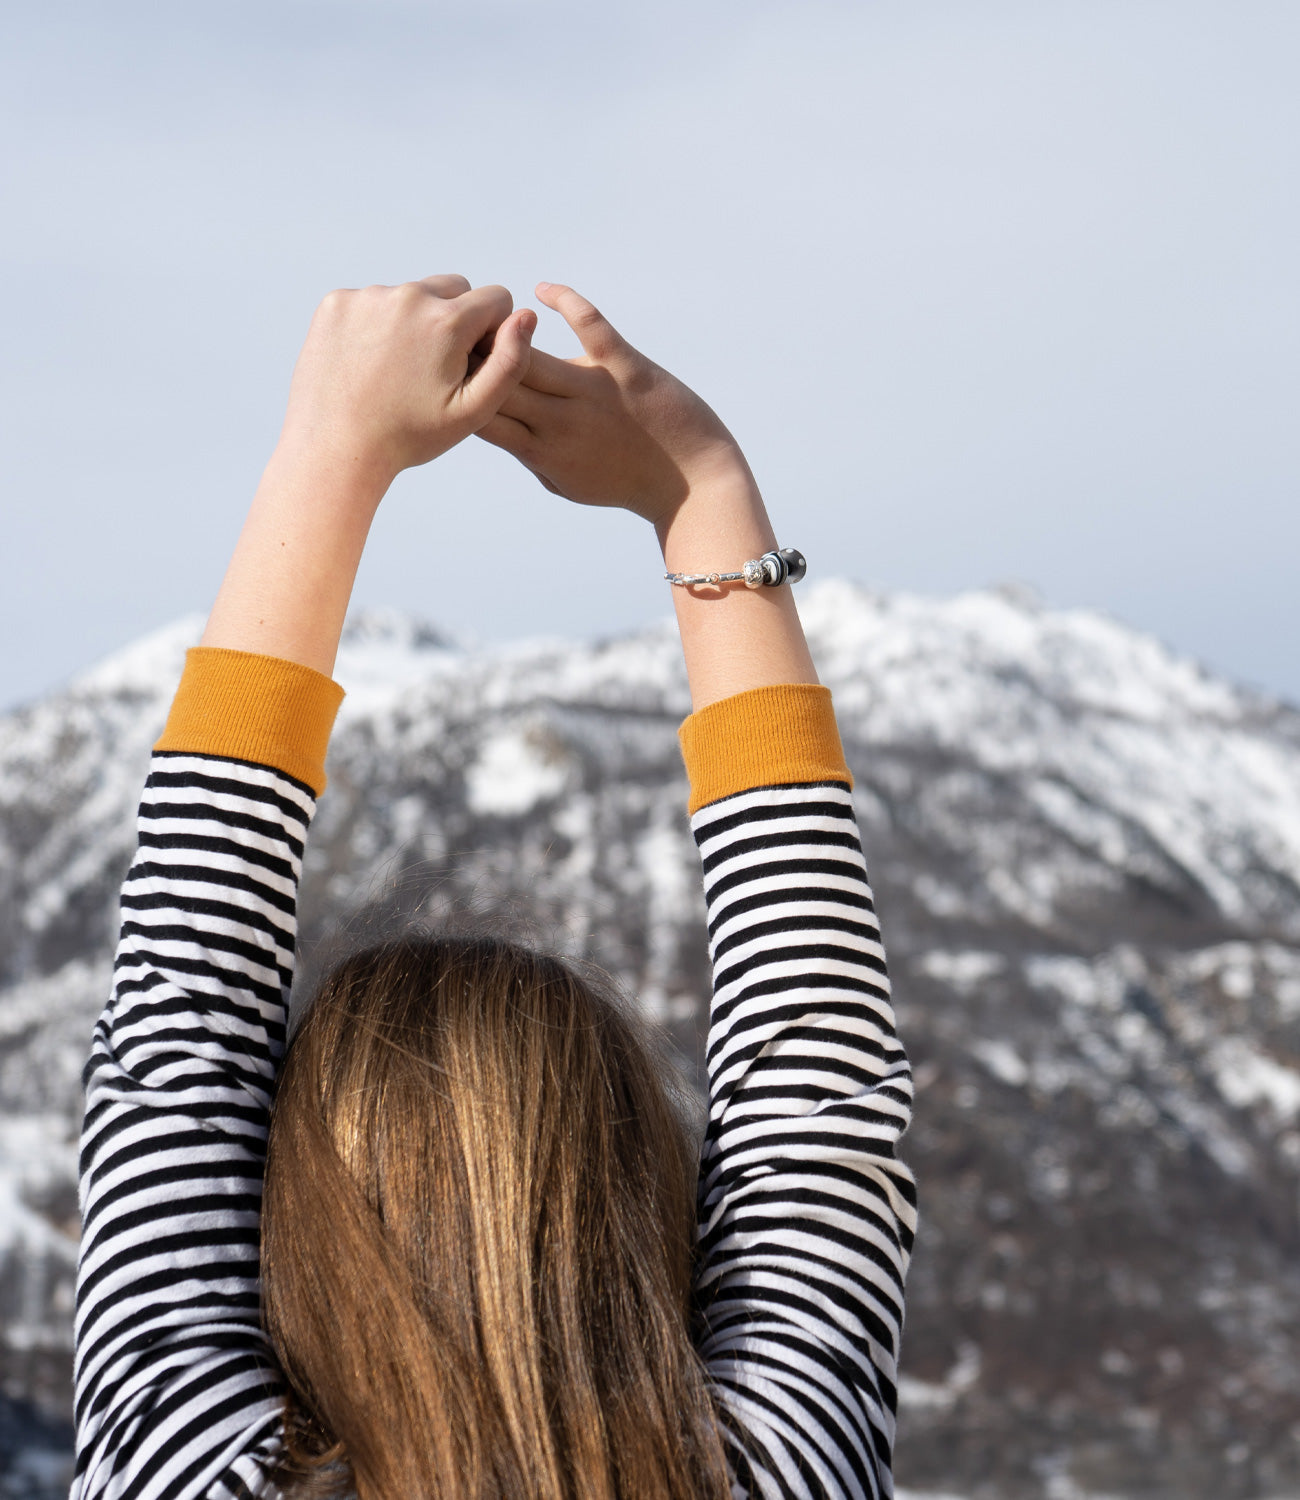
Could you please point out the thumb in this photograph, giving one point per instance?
(503, 369)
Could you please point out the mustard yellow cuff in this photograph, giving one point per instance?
(255, 708)
(772, 736)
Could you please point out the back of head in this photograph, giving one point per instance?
(477, 1239)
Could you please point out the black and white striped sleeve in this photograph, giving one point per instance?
(806, 1214)
(177, 1392)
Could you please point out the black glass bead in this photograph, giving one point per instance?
(796, 563)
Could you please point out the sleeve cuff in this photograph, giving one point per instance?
(255, 708)
(772, 736)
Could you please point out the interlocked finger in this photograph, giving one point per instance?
(533, 408)
(508, 433)
(556, 377)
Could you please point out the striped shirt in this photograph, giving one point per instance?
(806, 1214)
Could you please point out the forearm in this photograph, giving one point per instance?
(286, 591)
(382, 384)
(734, 638)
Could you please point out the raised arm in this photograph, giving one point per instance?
(806, 1213)
(177, 1391)
(382, 385)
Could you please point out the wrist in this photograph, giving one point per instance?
(286, 591)
(345, 471)
(721, 521)
(735, 638)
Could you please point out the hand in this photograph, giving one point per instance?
(611, 427)
(392, 376)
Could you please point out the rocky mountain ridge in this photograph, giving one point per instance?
(1086, 853)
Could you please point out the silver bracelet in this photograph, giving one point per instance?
(769, 571)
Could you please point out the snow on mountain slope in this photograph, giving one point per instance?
(1087, 857)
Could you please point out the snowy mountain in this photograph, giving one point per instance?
(1086, 853)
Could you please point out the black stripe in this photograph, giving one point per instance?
(230, 760)
(707, 828)
(222, 911)
(813, 986)
(218, 1076)
(214, 941)
(781, 869)
(746, 1455)
(751, 1225)
(816, 1087)
(112, 1118)
(783, 838)
(143, 1003)
(233, 1339)
(801, 953)
(827, 1363)
(206, 1414)
(878, 1148)
(196, 843)
(152, 1210)
(866, 932)
(804, 895)
(229, 1237)
(784, 1418)
(235, 880)
(210, 812)
(190, 1143)
(852, 1177)
(208, 1306)
(884, 1390)
(265, 1436)
(749, 1194)
(198, 968)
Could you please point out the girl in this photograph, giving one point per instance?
(460, 1244)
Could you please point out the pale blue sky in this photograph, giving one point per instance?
(994, 291)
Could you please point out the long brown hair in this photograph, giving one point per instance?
(477, 1239)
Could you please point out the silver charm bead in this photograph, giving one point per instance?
(755, 573)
